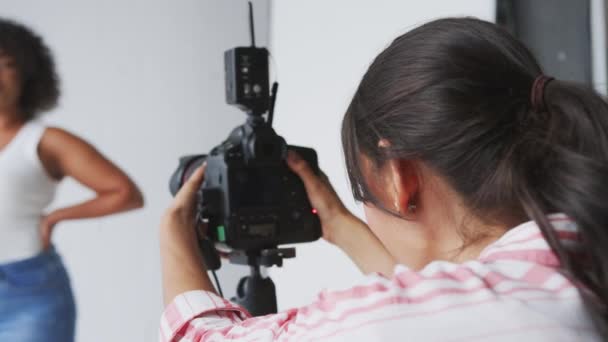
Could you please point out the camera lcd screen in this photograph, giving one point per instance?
(262, 229)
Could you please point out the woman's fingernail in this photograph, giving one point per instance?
(292, 156)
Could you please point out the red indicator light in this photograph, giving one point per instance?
(314, 211)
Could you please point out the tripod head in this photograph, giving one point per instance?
(255, 292)
(265, 257)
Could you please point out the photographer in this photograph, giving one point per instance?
(483, 187)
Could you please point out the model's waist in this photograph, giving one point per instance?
(19, 242)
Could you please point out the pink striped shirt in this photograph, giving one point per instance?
(512, 291)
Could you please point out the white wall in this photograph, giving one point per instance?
(143, 81)
(322, 49)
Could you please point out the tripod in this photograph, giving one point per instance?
(254, 292)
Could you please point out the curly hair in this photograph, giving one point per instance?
(35, 65)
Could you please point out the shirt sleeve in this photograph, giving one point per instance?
(198, 315)
(201, 316)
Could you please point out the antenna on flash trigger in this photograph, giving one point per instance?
(251, 27)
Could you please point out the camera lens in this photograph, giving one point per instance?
(187, 166)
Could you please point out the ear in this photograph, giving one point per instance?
(404, 184)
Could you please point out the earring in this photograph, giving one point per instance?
(411, 207)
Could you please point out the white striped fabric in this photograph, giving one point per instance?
(512, 291)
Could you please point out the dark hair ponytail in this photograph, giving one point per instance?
(456, 95)
(568, 173)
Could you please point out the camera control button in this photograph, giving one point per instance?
(296, 215)
(221, 233)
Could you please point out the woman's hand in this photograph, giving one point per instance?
(179, 221)
(333, 214)
(47, 224)
(341, 227)
(183, 269)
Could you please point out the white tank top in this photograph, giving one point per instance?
(25, 191)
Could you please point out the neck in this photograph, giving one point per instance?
(424, 243)
(450, 231)
(9, 118)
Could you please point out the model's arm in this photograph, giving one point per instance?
(66, 155)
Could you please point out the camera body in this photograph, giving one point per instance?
(250, 199)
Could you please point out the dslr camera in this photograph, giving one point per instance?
(250, 200)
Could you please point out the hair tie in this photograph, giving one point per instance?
(537, 96)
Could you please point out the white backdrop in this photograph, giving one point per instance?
(322, 49)
(143, 81)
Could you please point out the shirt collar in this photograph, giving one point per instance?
(526, 242)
